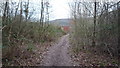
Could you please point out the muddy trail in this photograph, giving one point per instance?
(57, 55)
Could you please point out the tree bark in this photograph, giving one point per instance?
(93, 42)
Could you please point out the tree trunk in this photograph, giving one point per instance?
(93, 42)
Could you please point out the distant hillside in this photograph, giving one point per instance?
(61, 22)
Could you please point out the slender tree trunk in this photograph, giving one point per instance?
(20, 12)
(27, 11)
(42, 16)
(4, 14)
(94, 32)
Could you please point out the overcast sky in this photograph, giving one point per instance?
(59, 8)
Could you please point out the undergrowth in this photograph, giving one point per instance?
(27, 34)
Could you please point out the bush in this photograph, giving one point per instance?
(27, 34)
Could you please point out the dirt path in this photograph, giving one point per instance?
(57, 55)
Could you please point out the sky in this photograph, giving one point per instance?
(59, 8)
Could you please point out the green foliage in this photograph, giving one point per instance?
(106, 33)
(26, 34)
(81, 34)
(102, 64)
(30, 46)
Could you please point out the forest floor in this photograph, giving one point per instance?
(46, 54)
(31, 58)
(59, 53)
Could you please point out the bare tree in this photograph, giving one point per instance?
(93, 42)
(42, 13)
(26, 10)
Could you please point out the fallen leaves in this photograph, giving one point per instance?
(33, 58)
(91, 59)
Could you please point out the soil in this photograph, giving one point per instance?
(58, 54)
